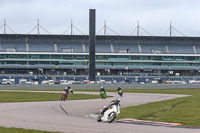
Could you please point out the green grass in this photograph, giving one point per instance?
(21, 130)
(35, 96)
(185, 110)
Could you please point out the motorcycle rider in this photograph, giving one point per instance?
(113, 102)
(119, 89)
(102, 90)
(66, 92)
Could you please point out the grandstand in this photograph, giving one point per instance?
(115, 55)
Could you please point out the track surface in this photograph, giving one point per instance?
(50, 116)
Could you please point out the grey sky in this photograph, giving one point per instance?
(121, 16)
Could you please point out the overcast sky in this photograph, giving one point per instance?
(121, 16)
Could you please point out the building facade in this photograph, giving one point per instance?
(115, 55)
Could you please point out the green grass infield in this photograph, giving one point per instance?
(21, 130)
(40, 96)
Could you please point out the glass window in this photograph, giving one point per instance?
(67, 57)
(21, 62)
(34, 56)
(10, 62)
(100, 57)
(145, 58)
(156, 58)
(135, 57)
(42, 56)
(79, 57)
(33, 62)
(55, 56)
(44, 62)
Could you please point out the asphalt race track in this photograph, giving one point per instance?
(71, 116)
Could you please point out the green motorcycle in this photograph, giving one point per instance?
(103, 95)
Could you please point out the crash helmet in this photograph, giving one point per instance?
(118, 86)
(68, 87)
(101, 87)
(117, 100)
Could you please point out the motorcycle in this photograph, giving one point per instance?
(120, 92)
(103, 95)
(64, 95)
(110, 114)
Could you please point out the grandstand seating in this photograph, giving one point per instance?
(132, 48)
(41, 47)
(19, 47)
(153, 48)
(113, 52)
(197, 48)
(76, 47)
(180, 49)
(103, 48)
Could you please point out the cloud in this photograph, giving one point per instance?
(120, 15)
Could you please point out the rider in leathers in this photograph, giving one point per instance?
(102, 89)
(119, 89)
(66, 91)
(114, 102)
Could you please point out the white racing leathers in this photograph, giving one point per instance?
(110, 114)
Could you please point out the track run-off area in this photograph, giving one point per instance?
(72, 116)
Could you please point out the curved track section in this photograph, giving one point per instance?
(70, 116)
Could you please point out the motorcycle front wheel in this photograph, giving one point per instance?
(111, 117)
(99, 118)
(62, 98)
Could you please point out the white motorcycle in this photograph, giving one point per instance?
(120, 92)
(110, 114)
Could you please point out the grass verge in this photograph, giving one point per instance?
(21, 130)
(36, 96)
